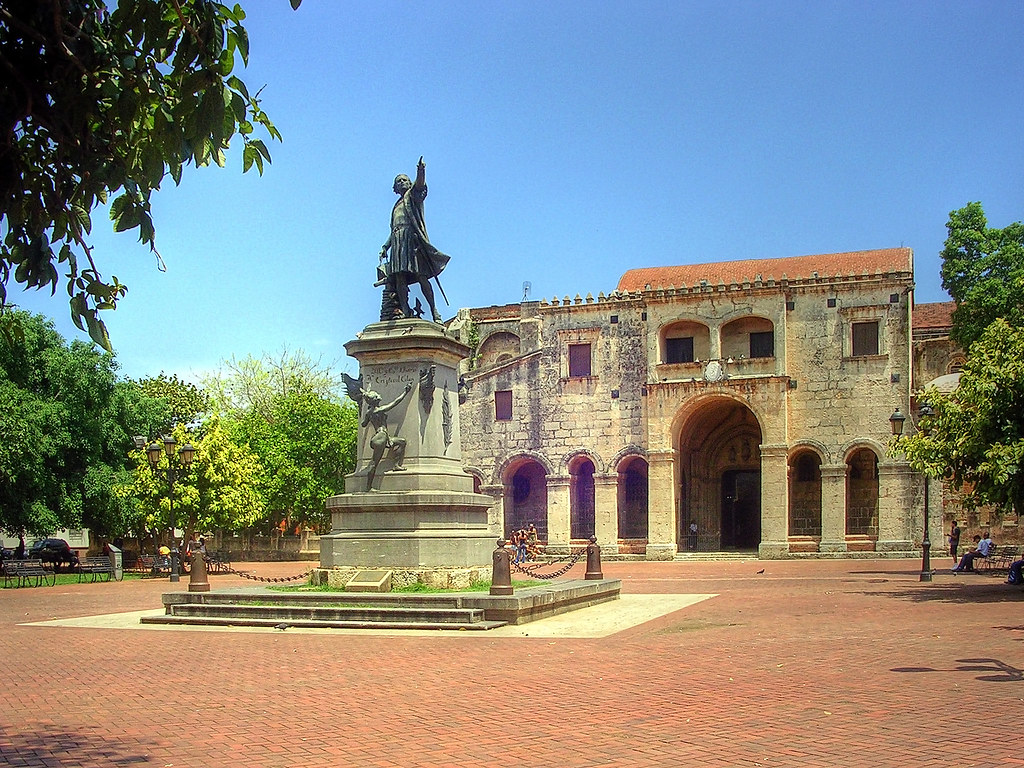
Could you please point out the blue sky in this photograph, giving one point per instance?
(565, 143)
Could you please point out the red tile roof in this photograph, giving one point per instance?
(935, 315)
(796, 267)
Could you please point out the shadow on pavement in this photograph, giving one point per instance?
(1006, 672)
(61, 747)
(957, 592)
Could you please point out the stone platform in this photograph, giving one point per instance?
(345, 610)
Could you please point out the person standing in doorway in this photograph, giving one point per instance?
(954, 540)
(691, 537)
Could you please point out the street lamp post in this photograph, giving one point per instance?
(178, 464)
(896, 421)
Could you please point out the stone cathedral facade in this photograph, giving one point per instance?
(736, 406)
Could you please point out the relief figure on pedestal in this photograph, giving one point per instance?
(375, 416)
(407, 256)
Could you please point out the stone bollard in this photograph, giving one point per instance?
(501, 570)
(198, 581)
(593, 561)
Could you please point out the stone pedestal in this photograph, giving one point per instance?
(422, 513)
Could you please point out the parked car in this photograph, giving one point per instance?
(56, 551)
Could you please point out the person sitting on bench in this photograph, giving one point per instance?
(982, 547)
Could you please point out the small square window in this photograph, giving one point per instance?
(679, 350)
(831, 303)
(503, 405)
(865, 338)
(579, 360)
(762, 344)
(614, 319)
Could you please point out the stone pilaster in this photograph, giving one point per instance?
(558, 514)
(895, 507)
(661, 507)
(606, 513)
(774, 502)
(833, 508)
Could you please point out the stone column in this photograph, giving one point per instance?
(661, 505)
(833, 508)
(558, 515)
(895, 507)
(774, 502)
(606, 513)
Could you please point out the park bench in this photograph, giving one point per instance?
(95, 567)
(999, 558)
(21, 572)
(148, 565)
(218, 562)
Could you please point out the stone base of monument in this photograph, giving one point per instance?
(461, 610)
(409, 529)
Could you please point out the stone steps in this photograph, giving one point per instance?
(386, 611)
(350, 611)
(705, 557)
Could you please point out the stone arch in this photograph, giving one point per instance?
(627, 452)
(503, 468)
(478, 478)
(498, 347)
(574, 457)
(863, 442)
(632, 496)
(805, 492)
(717, 440)
(737, 337)
(808, 444)
(525, 495)
(862, 491)
(672, 344)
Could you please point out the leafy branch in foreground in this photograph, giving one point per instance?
(101, 106)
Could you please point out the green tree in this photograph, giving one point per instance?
(288, 410)
(254, 384)
(65, 432)
(219, 492)
(306, 444)
(975, 440)
(102, 105)
(983, 270)
(186, 402)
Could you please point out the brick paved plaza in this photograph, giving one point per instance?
(843, 663)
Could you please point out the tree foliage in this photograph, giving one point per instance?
(102, 106)
(186, 402)
(65, 431)
(287, 409)
(306, 447)
(983, 270)
(253, 385)
(218, 492)
(975, 440)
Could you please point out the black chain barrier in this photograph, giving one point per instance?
(267, 579)
(531, 571)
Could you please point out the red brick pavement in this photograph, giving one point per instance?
(851, 663)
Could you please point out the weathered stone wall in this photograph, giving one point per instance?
(811, 394)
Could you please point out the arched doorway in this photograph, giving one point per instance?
(805, 494)
(862, 494)
(526, 498)
(719, 477)
(632, 497)
(581, 499)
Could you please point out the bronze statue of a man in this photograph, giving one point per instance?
(410, 258)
